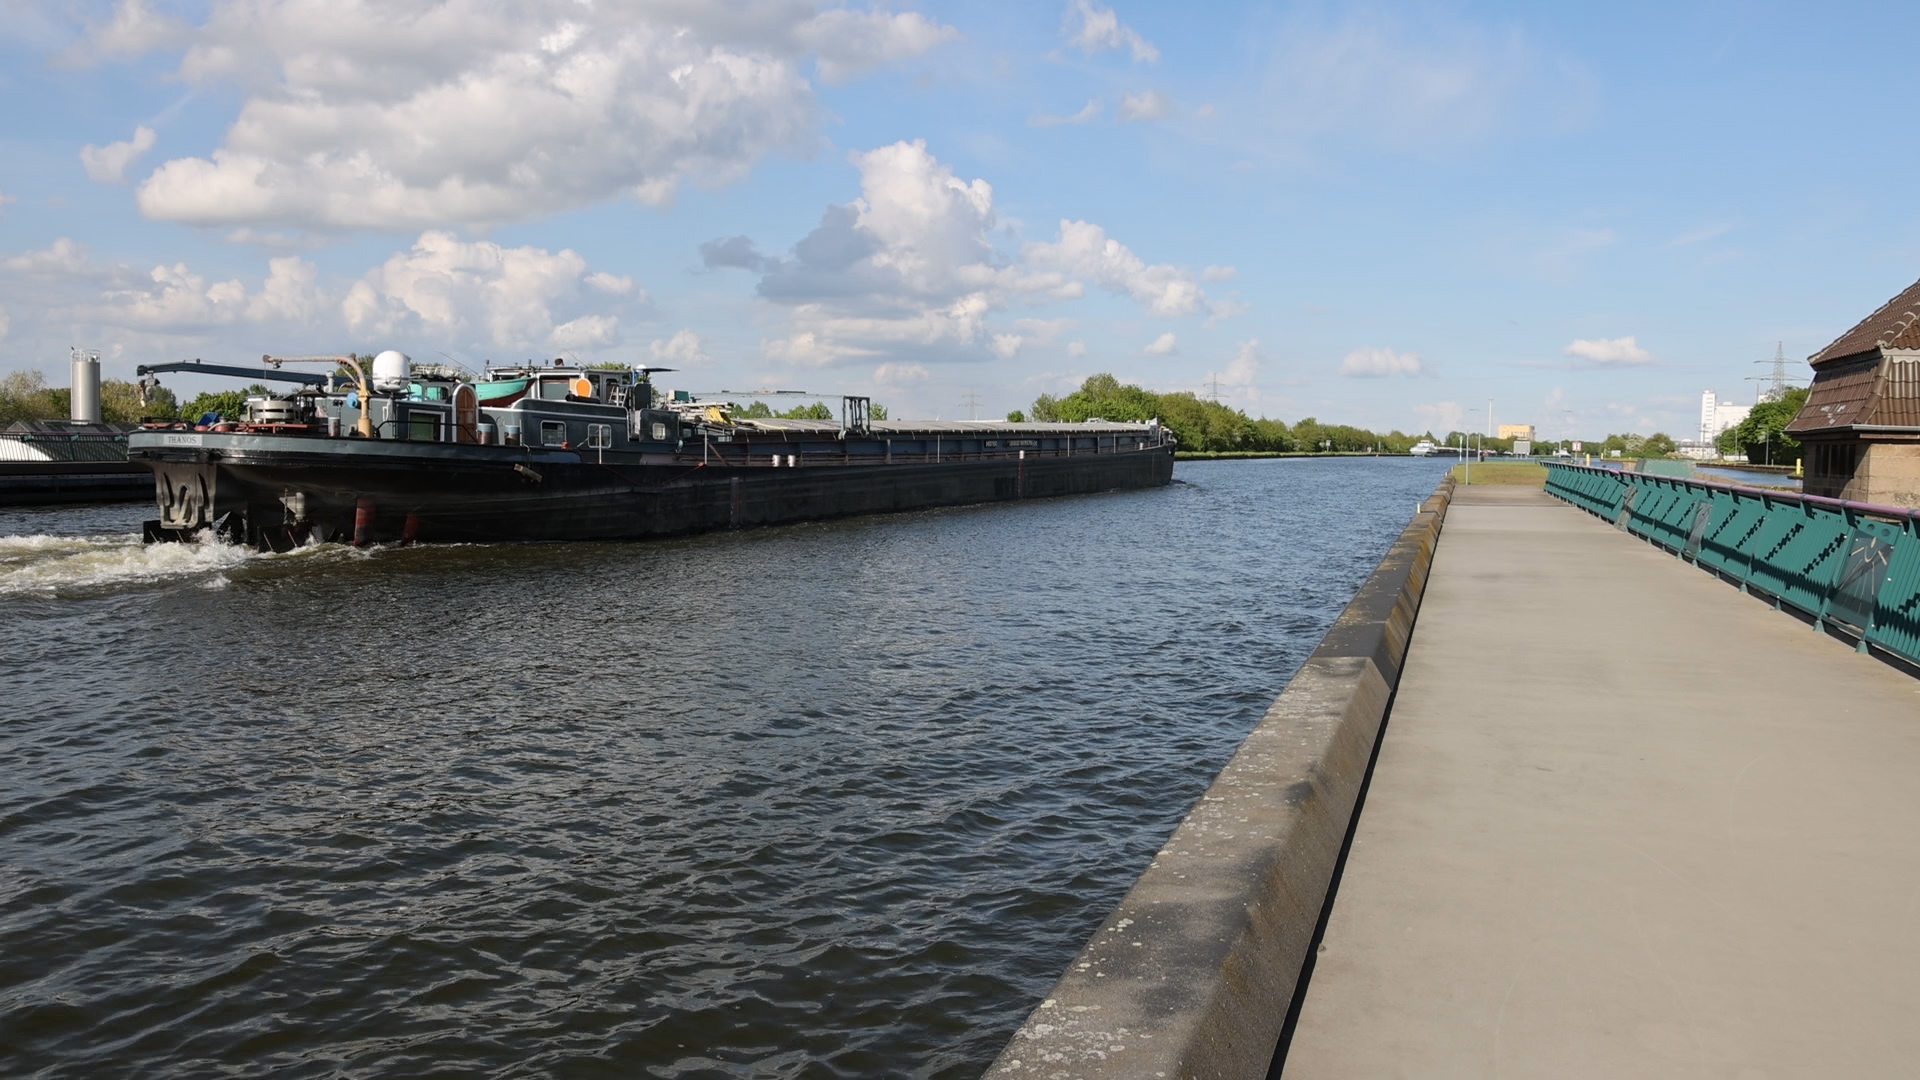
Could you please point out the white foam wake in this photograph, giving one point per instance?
(63, 564)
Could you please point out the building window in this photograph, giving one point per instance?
(1835, 459)
(553, 433)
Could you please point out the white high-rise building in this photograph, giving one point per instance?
(1717, 416)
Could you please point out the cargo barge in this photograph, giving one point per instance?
(565, 452)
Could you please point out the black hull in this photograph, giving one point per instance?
(57, 482)
(482, 496)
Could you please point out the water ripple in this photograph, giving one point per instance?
(830, 800)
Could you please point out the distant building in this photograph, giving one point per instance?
(1861, 424)
(1516, 431)
(1717, 416)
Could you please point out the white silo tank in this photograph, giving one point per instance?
(83, 403)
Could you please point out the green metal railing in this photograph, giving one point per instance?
(1851, 566)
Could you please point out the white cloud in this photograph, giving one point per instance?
(1085, 250)
(608, 283)
(1245, 366)
(585, 332)
(480, 292)
(5, 199)
(63, 257)
(1609, 352)
(911, 266)
(1076, 349)
(1380, 363)
(1146, 105)
(1164, 345)
(1440, 417)
(175, 299)
(291, 292)
(684, 349)
(1218, 273)
(364, 115)
(1091, 29)
(134, 29)
(108, 164)
(849, 43)
(1087, 114)
(899, 374)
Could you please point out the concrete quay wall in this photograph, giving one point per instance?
(1193, 974)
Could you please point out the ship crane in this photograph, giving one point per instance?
(365, 426)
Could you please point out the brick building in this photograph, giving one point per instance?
(1861, 423)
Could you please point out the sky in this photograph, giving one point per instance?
(1381, 215)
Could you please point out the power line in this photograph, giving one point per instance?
(1777, 381)
(972, 403)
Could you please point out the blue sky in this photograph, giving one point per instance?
(1380, 215)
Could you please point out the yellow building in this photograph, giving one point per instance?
(1516, 431)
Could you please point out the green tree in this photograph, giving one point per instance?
(1763, 433)
(1658, 444)
(759, 410)
(876, 411)
(120, 402)
(816, 411)
(25, 395)
(229, 404)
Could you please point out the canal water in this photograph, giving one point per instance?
(827, 800)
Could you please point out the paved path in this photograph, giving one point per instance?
(1625, 822)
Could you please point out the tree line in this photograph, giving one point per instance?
(25, 395)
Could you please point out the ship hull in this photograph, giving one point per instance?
(277, 492)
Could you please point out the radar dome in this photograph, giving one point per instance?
(392, 372)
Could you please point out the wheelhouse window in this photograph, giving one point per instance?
(423, 426)
(553, 433)
(554, 389)
(599, 436)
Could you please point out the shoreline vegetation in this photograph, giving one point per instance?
(1502, 474)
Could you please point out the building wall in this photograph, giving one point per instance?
(1849, 468)
(1516, 431)
(1889, 473)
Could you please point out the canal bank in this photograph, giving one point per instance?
(1193, 974)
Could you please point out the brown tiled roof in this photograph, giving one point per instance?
(1896, 325)
(1841, 396)
(1899, 404)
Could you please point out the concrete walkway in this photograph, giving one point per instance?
(1625, 822)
